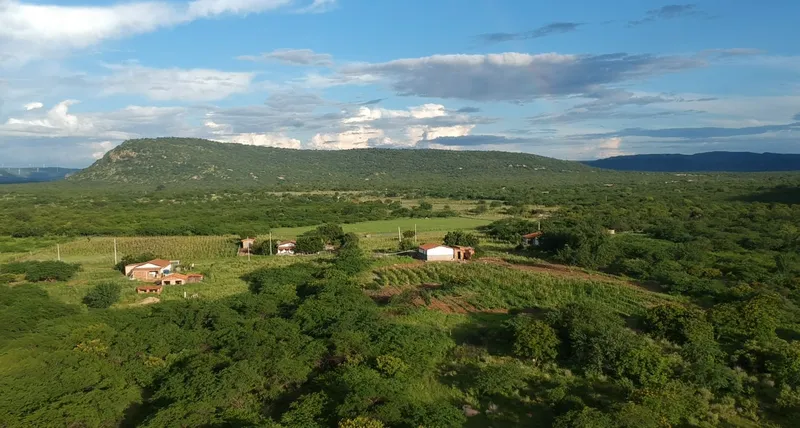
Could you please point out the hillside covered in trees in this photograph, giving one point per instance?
(207, 163)
(711, 161)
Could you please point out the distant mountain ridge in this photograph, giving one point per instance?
(709, 161)
(203, 163)
(34, 175)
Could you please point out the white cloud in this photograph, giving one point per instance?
(303, 57)
(206, 8)
(129, 122)
(58, 122)
(33, 106)
(176, 84)
(100, 148)
(371, 127)
(318, 6)
(28, 31)
(608, 148)
(32, 31)
(267, 140)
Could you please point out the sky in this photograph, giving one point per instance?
(574, 79)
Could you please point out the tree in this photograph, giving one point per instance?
(535, 340)
(350, 239)
(408, 234)
(130, 259)
(330, 233)
(103, 295)
(309, 243)
(407, 245)
(461, 238)
(351, 260)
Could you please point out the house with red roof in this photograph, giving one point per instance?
(149, 271)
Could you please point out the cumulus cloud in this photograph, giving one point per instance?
(99, 149)
(33, 106)
(58, 122)
(266, 140)
(129, 122)
(377, 127)
(174, 83)
(544, 31)
(302, 57)
(514, 76)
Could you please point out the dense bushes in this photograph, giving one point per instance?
(461, 238)
(42, 271)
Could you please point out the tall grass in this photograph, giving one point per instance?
(495, 287)
(172, 247)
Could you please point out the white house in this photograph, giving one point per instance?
(436, 252)
(286, 248)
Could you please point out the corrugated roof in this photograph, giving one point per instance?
(532, 235)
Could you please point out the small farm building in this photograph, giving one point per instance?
(174, 279)
(435, 252)
(286, 247)
(246, 246)
(532, 238)
(194, 277)
(148, 289)
(462, 253)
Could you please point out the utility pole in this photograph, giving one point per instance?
(115, 251)
(539, 225)
(415, 233)
(58, 251)
(270, 243)
(399, 235)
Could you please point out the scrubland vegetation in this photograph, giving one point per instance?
(685, 316)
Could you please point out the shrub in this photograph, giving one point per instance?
(103, 295)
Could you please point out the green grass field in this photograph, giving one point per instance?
(390, 226)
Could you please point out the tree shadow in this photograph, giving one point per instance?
(782, 194)
(486, 330)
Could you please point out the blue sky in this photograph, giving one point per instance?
(578, 79)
